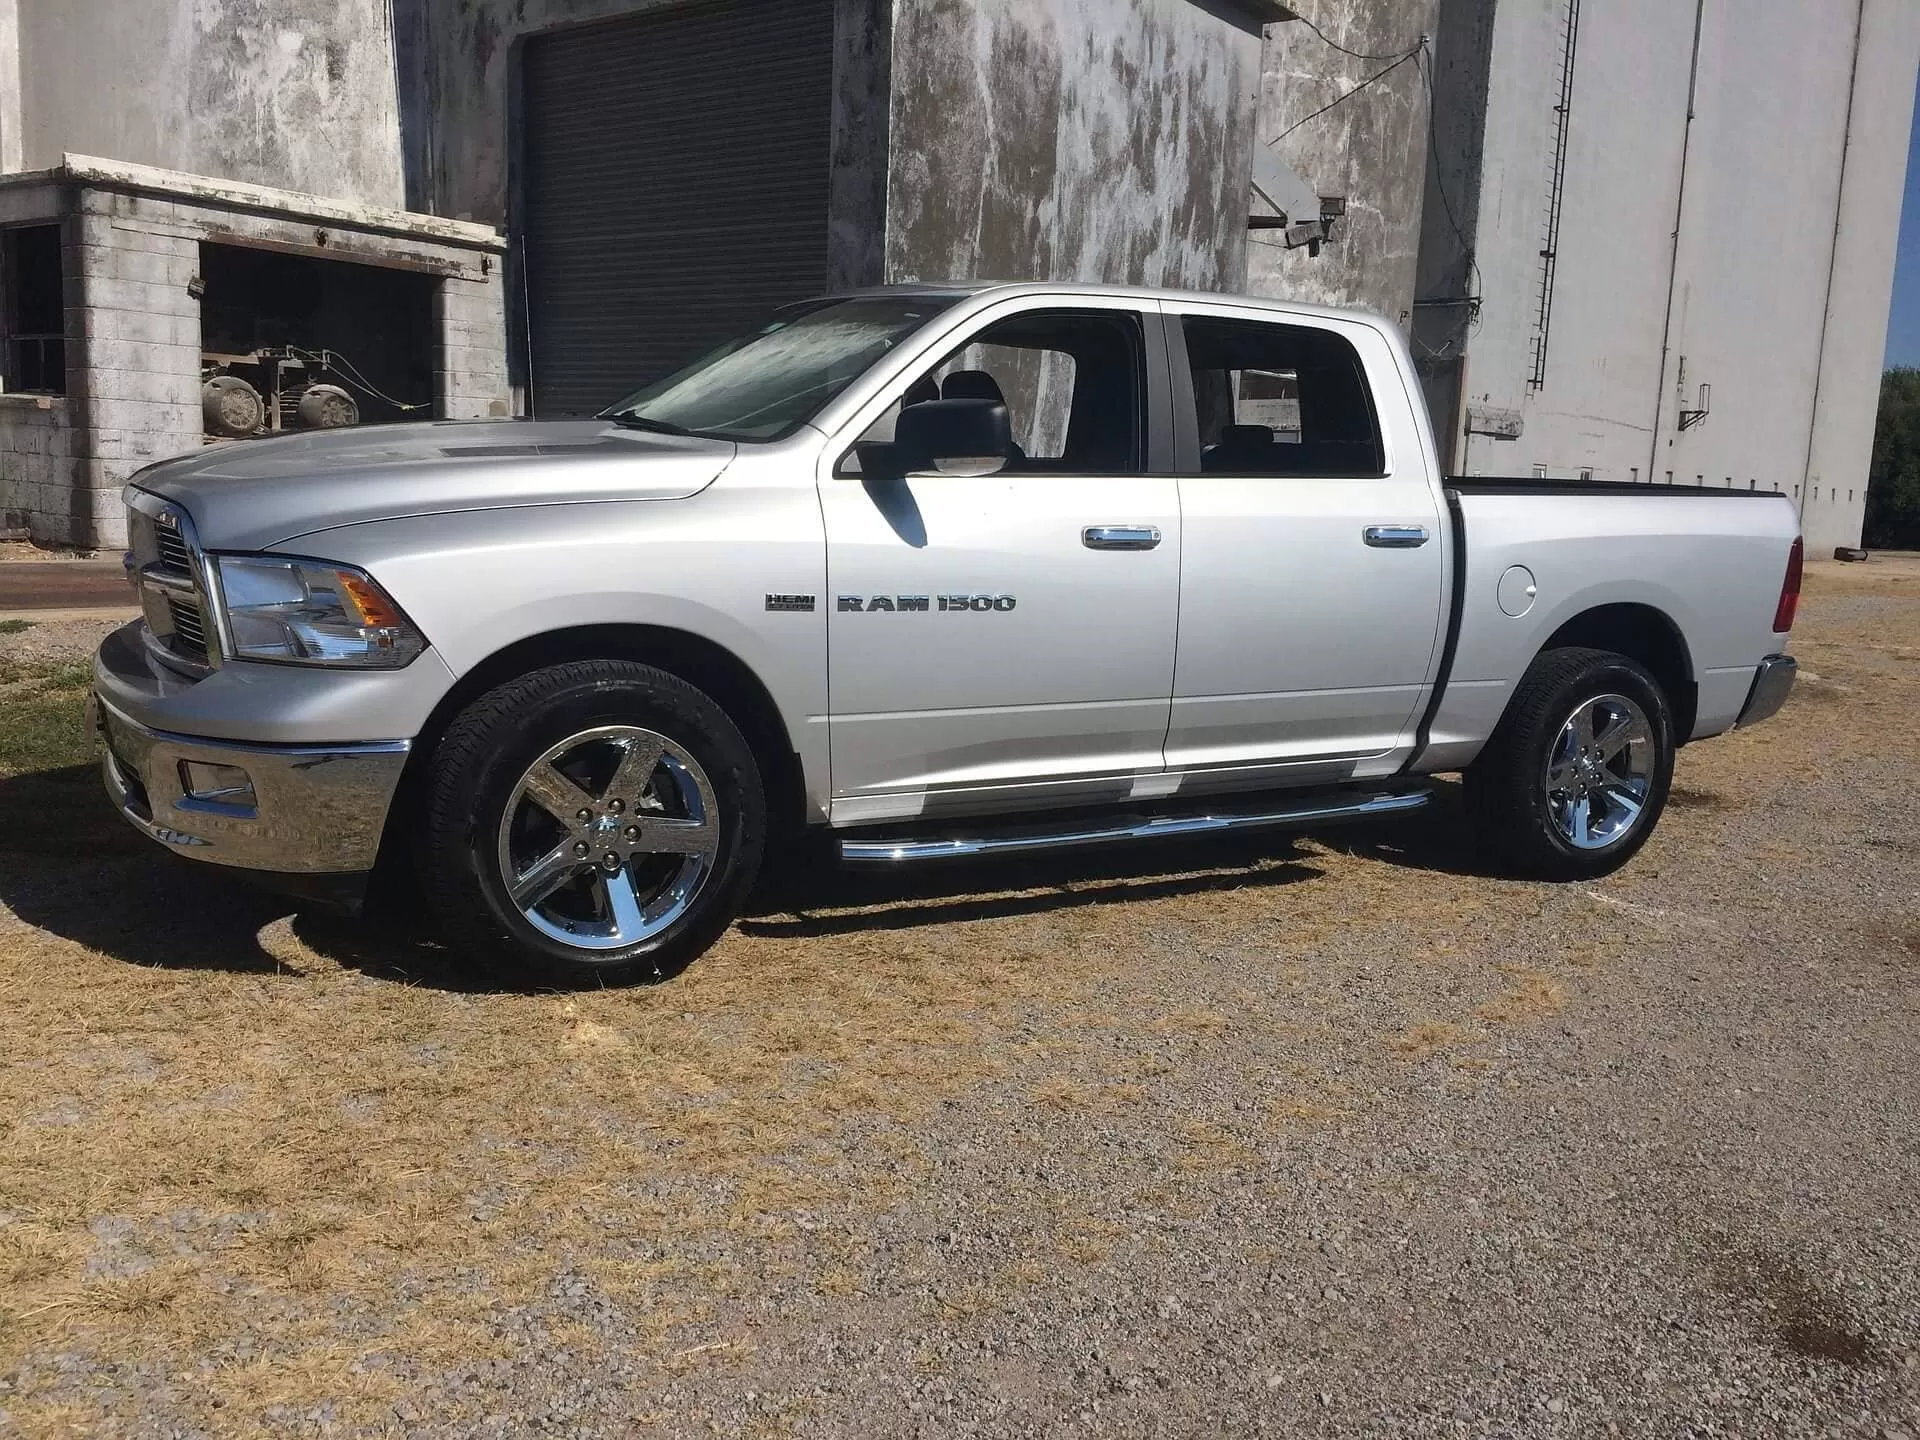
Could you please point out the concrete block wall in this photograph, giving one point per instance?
(129, 257)
(471, 317)
(137, 396)
(36, 465)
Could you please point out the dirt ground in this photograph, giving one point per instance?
(1336, 1135)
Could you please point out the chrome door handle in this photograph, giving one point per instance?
(1395, 537)
(1120, 537)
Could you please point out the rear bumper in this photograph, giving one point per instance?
(291, 809)
(1771, 686)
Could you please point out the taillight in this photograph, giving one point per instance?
(1789, 604)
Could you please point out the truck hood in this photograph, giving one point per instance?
(250, 494)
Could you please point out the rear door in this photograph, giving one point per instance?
(1007, 639)
(1312, 601)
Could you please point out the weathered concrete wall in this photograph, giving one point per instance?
(10, 117)
(39, 434)
(470, 313)
(1071, 140)
(1370, 148)
(1781, 112)
(36, 465)
(297, 94)
(1447, 277)
(136, 390)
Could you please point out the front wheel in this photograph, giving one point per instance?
(1576, 774)
(593, 823)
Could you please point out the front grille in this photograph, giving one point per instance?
(172, 549)
(189, 631)
(164, 553)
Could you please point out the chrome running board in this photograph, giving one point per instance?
(1157, 827)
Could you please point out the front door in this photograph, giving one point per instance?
(1007, 639)
(1312, 602)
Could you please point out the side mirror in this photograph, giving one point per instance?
(953, 437)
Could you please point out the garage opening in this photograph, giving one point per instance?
(293, 343)
(671, 178)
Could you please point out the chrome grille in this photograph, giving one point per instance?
(171, 547)
(167, 570)
(189, 631)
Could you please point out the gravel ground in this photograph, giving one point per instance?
(52, 642)
(1340, 1136)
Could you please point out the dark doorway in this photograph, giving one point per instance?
(33, 310)
(671, 188)
(286, 323)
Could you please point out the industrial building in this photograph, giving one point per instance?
(1658, 241)
(220, 218)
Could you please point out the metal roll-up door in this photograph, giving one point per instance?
(673, 188)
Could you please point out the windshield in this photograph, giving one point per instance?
(771, 381)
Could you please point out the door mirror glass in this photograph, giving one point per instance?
(953, 437)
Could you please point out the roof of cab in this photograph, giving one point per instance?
(957, 289)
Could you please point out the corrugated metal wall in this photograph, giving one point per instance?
(673, 187)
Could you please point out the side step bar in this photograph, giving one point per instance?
(1156, 827)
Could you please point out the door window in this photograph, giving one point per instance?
(1073, 382)
(1280, 400)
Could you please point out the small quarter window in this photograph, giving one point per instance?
(1280, 400)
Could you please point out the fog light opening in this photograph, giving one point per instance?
(227, 786)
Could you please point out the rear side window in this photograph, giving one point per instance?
(1280, 400)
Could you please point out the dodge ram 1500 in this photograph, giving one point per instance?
(939, 570)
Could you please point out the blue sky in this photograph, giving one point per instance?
(1903, 331)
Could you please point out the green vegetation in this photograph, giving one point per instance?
(15, 627)
(1893, 486)
(43, 717)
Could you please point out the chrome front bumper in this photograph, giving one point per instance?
(303, 809)
(1771, 685)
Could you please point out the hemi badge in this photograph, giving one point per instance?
(790, 602)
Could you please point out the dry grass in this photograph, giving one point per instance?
(1427, 1038)
(233, 1141)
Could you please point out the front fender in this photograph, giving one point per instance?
(480, 582)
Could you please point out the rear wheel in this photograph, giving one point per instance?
(594, 823)
(1575, 776)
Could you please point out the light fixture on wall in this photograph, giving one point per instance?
(1691, 418)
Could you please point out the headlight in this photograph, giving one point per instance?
(310, 612)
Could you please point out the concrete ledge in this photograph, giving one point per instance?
(91, 170)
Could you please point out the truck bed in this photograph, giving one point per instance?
(1534, 485)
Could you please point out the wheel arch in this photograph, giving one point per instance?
(1645, 634)
(702, 663)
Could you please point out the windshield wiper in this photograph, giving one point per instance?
(627, 420)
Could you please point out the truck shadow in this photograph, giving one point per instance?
(71, 867)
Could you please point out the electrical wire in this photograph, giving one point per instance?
(1371, 80)
(1331, 43)
(348, 371)
(1440, 188)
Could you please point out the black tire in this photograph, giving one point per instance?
(1507, 786)
(474, 773)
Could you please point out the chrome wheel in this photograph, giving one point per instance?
(1599, 772)
(608, 838)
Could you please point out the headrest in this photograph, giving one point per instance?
(1245, 437)
(922, 390)
(971, 385)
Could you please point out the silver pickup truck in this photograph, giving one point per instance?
(938, 571)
